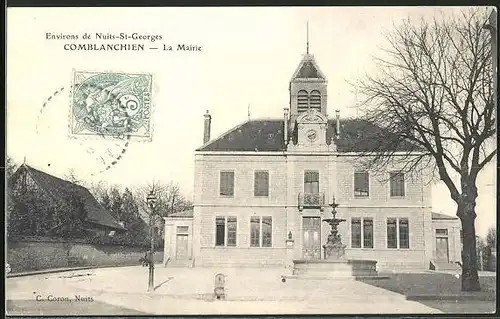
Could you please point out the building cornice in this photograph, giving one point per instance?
(295, 205)
(300, 153)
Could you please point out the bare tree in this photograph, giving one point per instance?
(73, 178)
(10, 167)
(152, 218)
(491, 237)
(433, 99)
(141, 193)
(99, 190)
(175, 200)
(169, 197)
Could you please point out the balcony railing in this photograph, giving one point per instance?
(311, 200)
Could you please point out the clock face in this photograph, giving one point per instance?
(311, 135)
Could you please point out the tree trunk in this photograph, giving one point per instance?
(470, 278)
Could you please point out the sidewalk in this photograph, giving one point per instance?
(480, 273)
(58, 270)
(47, 271)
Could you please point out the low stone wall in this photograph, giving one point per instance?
(28, 254)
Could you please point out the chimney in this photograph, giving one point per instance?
(285, 129)
(337, 122)
(206, 130)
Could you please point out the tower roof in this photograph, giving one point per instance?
(308, 69)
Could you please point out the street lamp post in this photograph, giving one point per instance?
(151, 199)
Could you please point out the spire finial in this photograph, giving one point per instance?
(248, 111)
(24, 161)
(307, 36)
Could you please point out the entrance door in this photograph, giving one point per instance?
(311, 245)
(181, 246)
(442, 249)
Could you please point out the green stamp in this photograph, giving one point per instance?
(111, 104)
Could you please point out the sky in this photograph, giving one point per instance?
(247, 59)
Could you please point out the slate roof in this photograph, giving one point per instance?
(267, 135)
(442, 216)
(60, 188)
(308, 70)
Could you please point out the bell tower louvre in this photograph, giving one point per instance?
(308, 87)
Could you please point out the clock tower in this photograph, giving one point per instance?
(308, 102)
(307, 88)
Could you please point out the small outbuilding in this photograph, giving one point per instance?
(179, 239)
(447, 241)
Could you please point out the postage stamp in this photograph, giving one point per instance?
(96, 155)
(111, 104)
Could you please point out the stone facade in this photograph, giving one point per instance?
(285, 183)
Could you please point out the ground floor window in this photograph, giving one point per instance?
(225, 231)
(362, 232)
(398, 235)
(261, 231)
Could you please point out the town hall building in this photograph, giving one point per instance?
(263, 188)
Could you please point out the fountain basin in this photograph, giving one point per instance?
(326, 268)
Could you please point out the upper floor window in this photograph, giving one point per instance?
(261, 183)
(311, 182)
(361, 184)
(397, 184)
(226, 183)
(261, 231)
(398, 235)
(225, 231)
(362, 237)
(315, 100)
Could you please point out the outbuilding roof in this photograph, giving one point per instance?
(442, 216)
(61, 189)
(184, 214)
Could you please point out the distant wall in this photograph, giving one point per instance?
(27, 254)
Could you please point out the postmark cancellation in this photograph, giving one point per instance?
(111, 104)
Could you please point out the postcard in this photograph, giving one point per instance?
(250, 160)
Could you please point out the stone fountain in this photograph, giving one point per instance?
(334, 249)
(334, 263)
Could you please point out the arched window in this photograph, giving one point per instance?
(315, 100)
(302, 101)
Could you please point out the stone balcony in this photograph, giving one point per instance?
(311, 200)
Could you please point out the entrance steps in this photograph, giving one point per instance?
(333, 269)
(180, 263)
(435, 265)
